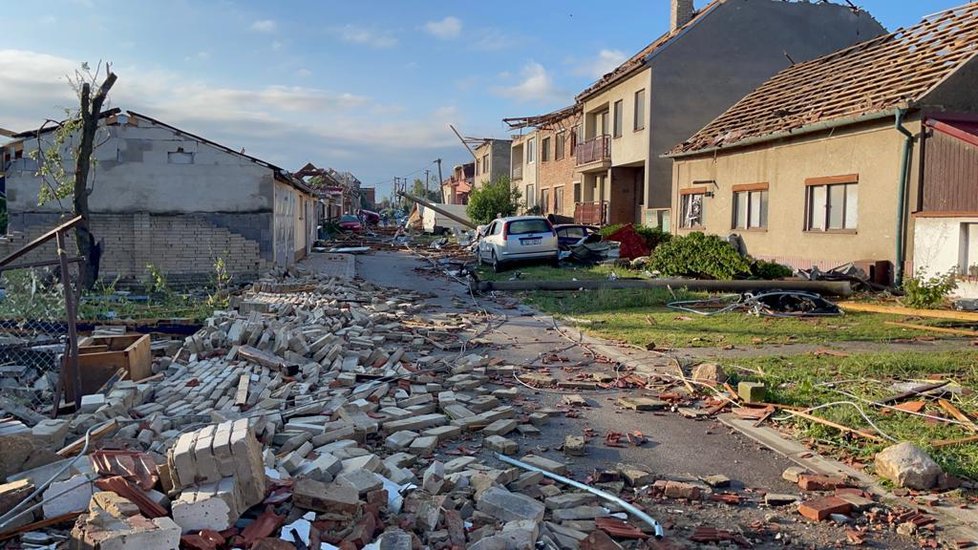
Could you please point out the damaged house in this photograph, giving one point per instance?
(167, 198)
(869, 154)
(707, 61)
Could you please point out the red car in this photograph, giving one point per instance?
(349, 222)
(371, 218)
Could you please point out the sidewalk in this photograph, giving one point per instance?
(342, 266)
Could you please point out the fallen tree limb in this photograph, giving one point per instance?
(916, 391)
(939, 443)
(829, 288)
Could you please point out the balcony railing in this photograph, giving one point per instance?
(591, 213)
(517, 172)
(593, 150)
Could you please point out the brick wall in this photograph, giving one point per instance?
(183, 246)
(558, 173)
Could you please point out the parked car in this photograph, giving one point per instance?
(370, 217)
(569, 235)
(349, 222)
(518, 239)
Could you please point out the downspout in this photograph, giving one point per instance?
(902, 197)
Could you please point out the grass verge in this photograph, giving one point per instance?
(812, 380)
(641, 318)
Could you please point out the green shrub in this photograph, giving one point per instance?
(699, 255)
(928, 293)
(497, 197)
(768, 271)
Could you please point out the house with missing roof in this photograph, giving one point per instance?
(707, 61)
(868, 154)
(456, 188)
(171, 199)
(492, 161)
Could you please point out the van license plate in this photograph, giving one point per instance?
(531, 242)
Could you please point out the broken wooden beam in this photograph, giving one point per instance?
(910, 312)
(835, 425)
(939, 330)
(916, 391)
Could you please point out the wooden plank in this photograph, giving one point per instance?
(917, 391)
(939, 443)
(76, 446)
(941, 330)
(831, 424)
(831, 180)
(957, 414)
(241, 397)
(70, 516)
(966, 316)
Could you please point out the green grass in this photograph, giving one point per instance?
(639, 317)
(800, 380)
(550, 273)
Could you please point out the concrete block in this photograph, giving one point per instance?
(75, 495)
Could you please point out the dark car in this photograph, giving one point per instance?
(569, 235)
(349, 222)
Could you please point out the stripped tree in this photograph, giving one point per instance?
(75, 137)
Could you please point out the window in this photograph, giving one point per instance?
(577, 192)
(692, 208)
(559, 145)
(524, 227)
(559, 200)
(531, 196)
(485, 163)
(639, 110)
(832, 204)
(545, 200)
(531, 152)
(180, 157)
(618, 118)
(968, 250)
(545, 149)
(750, 206)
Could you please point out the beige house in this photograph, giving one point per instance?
(834, 160)
(525, 159)
(492, 161)
(707, 61)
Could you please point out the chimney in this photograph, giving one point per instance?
(682, 13)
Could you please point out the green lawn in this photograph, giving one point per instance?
(640, 317)
(800, 380)
(531, 272)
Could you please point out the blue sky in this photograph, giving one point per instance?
(369, 87)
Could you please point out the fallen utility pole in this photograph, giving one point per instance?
(829, 288)
(445, 213)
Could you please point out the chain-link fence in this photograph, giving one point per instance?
(33, 337)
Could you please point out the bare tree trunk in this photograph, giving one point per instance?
(91, 109)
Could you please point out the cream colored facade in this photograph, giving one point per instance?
(492, 161)
(870, 155)
(525, 159)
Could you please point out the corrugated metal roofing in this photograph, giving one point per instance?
(872, 77)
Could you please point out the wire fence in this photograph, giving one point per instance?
(33, 337)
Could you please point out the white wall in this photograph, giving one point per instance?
(942, 244)
(133, 173)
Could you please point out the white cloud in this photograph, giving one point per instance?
(285, 125)
(446, 29)
(491, 40)
(264, 25)
(374, 38)
(599, 65)
(536, 85)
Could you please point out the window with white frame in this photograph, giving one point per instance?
(545, 200)
(750, 206)
(832, 204)
(531, 151)
(559, 200)
(531, 196)
(559, 144)
(692, 204)
(639, 110)
(618, 121)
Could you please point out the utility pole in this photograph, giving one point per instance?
(426, 173)
(440, 180)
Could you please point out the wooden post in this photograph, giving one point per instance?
(71, 346)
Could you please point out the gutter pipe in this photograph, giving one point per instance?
(902, 196)
(597, 492)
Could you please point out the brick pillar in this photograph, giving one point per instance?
(682, 13)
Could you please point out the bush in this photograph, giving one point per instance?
(699, 255)
(495, 198)
(928, 293)
(763, 269)
(653, 236)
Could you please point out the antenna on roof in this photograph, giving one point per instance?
(792, 61)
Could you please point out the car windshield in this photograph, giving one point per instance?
(349, 218)
(572, 232)
(522, 227)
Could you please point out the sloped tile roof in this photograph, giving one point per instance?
(872, 77)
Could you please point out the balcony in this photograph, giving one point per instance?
(517, 172)
(594, 154)
(591, 213)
